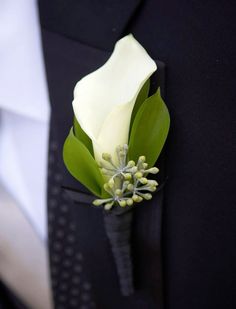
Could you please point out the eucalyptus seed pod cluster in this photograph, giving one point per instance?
(127, 182)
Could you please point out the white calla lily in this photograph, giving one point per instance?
(104, 99)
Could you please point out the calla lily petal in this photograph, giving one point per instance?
(104, 100)
(114, 131)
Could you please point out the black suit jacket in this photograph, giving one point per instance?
(195, 39)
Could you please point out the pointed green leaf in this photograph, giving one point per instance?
(82, 165)
(150, 129)
(142, 96)
(82, 136)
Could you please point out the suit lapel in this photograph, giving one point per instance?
(96, 23)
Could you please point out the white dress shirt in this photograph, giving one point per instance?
(24, 110)
(23, 257)
(24, 130)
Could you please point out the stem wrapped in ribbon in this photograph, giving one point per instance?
(118, 230)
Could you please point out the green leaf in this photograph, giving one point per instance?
(82, 136)
(82, 165)
(150, 129)
(142, 96)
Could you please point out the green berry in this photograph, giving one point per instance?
(122, 203)
(130, 202)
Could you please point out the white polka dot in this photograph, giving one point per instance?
(67, 263)
(54, 270)
(57, 245)
(51, 216)
(72, 226)
(75, 292)
(76, 280)
(55, 258)
(53, 145)
(51, 159)
(78, 268)
(58, 177)
(71, 238)
(86, 286)
(63, 287)
(69, 251)
(65, 275)
(55, 190)
(79, 256)
(50, 229)
(62, 221)
(52, 203)
(62, 297)
(64, 208)
(60, 233)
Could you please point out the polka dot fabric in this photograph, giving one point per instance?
(70, 285)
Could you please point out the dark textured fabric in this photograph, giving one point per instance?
(196, 40)
(69, 278)
(96, 23)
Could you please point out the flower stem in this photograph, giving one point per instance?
(118, 230)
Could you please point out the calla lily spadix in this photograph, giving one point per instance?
(104, 100)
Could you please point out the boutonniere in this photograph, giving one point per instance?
(117, 136)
